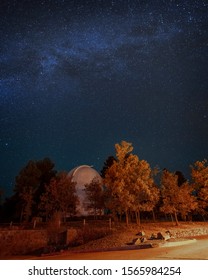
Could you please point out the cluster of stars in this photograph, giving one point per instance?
(78, 76)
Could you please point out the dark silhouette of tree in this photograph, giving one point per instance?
(59, 196)
(1, 201)
(109, 161)
(181, 178)
(10, 211)
(95, 196)
(46, 167)
(1, 196)
(30, 185)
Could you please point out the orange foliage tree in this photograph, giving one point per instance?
(60, 196)
(95, 196)
(199, 174)
(176, 199)
(129, 183)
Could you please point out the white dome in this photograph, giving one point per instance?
(83, 175)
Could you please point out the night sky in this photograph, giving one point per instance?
(76, 77)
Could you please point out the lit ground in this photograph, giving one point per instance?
(194, 251)
(107, 248)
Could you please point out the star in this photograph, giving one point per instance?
(79, 76)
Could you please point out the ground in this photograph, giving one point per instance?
(118, 239)
(124, 235)
(109, 247)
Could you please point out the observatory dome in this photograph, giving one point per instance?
(82, 175)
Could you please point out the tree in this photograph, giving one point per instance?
(26, 197)
(1, 195)
(47, 172)
(30, 184)
(176, 199)
(59, 196)
(117, 181)
(9, 209)
(109, 161)
(94, 195)
(181, 178)
(146, 193)
(129, 183)
(199, 174)
(27, 182)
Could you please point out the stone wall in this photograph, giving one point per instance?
(18, 242)
(189, 232)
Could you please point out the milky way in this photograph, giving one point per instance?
(76, 77)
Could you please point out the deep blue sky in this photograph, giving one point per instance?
(76, 77)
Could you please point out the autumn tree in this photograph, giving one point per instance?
(59, 196)
(94, 195)
(146, 193)
(199, 174)
(117, 183)
(129, 183)
(176, 199)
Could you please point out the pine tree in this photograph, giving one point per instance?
(109, 161)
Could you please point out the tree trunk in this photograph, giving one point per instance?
(115, 217)
(127, 217)
(21, 214)
(138, 220)
(176, 218)
(136, 216)
(132, 216)
(153, 216)
(120, 217)
(95, 217)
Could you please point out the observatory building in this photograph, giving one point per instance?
(82, 175)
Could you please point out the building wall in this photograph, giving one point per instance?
(83, 175)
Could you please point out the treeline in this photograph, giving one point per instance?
(129, 189)
(130, 184)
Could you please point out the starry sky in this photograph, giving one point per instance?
(78, 76)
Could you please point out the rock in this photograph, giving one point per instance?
(153, 236)
(141, 233)
(163, 235)
(137, 241)
(143, 239)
